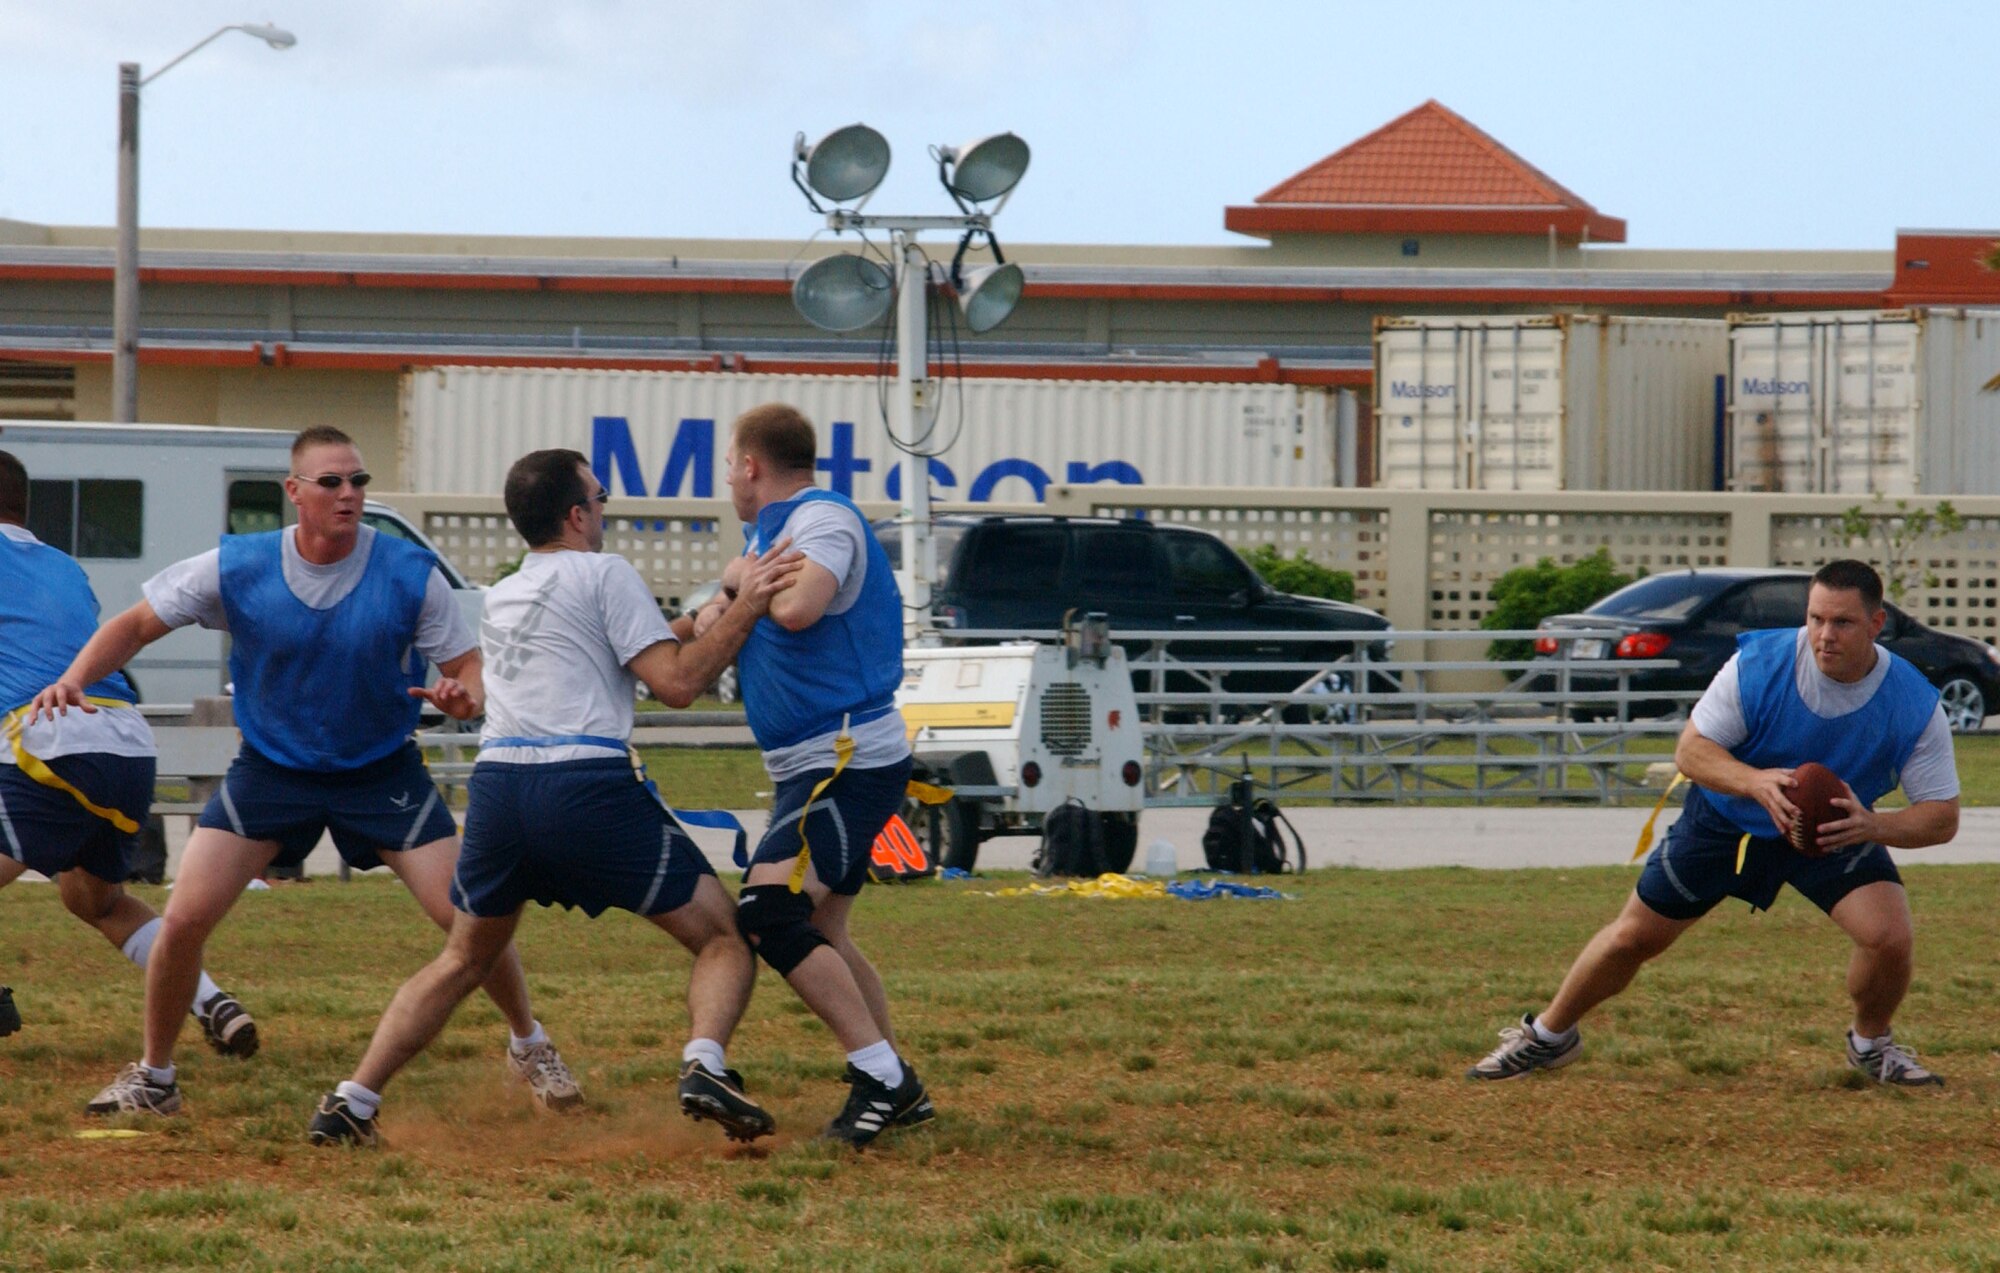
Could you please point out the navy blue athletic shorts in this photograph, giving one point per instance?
(48, 831)
(387, 806)
(842, 824)
(574, 833)
(1694, 867)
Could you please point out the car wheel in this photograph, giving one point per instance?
(1120, 835)
(949, 831)
(1964, 704)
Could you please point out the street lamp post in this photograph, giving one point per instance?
(125, 279)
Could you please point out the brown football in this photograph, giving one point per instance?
(1814, 789)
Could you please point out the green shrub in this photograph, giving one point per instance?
(1526, 595)
(1300, 574)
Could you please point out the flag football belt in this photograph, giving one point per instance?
(1646, 832)
(722, 819)
(843, 751)
(38, 769)
(713, 819)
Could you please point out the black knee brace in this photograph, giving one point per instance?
(778, 925)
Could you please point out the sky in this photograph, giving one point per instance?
(1751, 124)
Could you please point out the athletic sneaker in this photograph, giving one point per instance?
(541, 1067)
(1522, 1051)
(135, 1092)
(720, 1099)
(336, 1123)
(226, 1026)
(10, 1016)
(1892, 1063)
(873, 1107)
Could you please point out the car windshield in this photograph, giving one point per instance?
(1660, 597)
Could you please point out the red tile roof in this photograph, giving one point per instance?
(1429, 170)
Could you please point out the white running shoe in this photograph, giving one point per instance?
(541, 1067)
(135, 1092)
(1892, 1063)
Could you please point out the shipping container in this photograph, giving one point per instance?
(664, 433)
(1548, 402)
(1890, 402)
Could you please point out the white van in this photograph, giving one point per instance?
(127, 500)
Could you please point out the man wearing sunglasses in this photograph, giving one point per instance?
(332, 626)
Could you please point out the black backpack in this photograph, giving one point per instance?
(1222, 843)
(1072, 842)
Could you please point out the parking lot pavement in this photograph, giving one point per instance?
(1401, 838)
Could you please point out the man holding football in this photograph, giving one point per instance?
(1824, 693)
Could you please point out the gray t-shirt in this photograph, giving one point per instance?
(1931, 773)
(191, 592)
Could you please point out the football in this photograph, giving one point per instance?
(1814, 789)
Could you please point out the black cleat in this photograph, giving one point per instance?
(873, 1107)
(336, 1123)
(226, 1026)
(720, 1099)
(10, 1016)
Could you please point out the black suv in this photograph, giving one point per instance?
(1025, 572)
(1693, 616)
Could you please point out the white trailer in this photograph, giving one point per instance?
(1891, 402)
(1018, 730)
(127, 500)
(999, 440)
(1548, 402)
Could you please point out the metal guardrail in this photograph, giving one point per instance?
(1374, 729)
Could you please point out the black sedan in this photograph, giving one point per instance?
(1693, 616)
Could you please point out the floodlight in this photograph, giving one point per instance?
(845, 164)
(989, 294)
(985, 169)
(842, 293)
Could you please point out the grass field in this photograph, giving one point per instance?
(1121, 1084)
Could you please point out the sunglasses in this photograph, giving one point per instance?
(600, 499)
(332, 481)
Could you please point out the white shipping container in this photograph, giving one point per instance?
(664, 433)
(1547, 402)
(1891, 402)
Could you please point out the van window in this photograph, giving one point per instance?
(100, 518)
(1015, 561)
(1204, 569)
(256, 504)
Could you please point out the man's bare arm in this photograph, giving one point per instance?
(111, 648)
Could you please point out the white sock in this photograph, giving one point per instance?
(139, 948)
(363, 1102)
(879, 1062)
(1861, 1045)
(519, 1044)
(708, 1052)
(1548, 1036)
(163, 1077)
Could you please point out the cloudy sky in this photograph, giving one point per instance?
(1743, 124)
